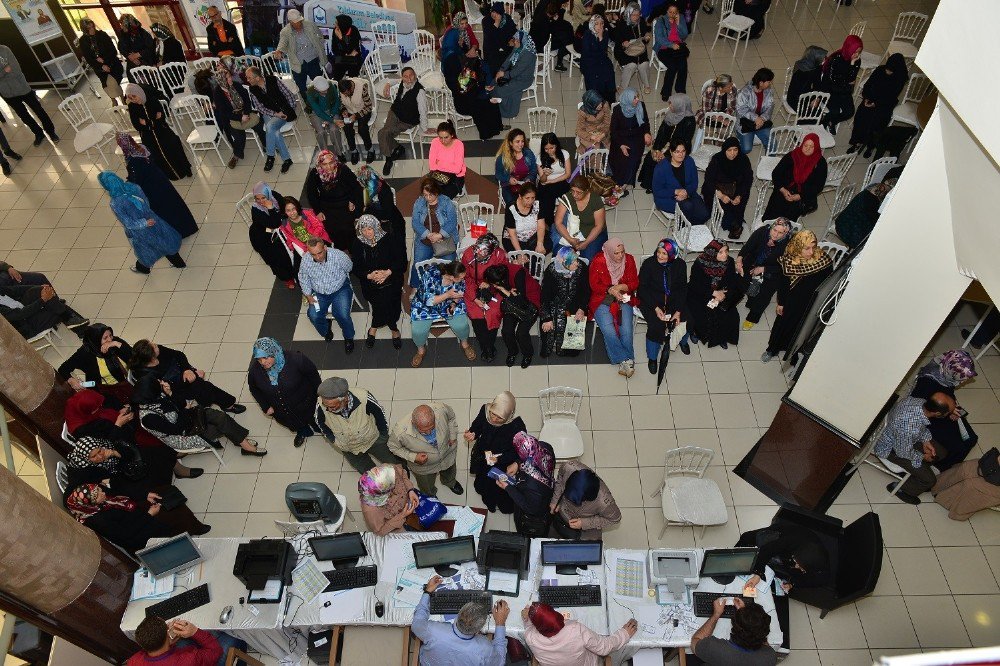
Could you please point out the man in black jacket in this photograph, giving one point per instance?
(32, 309)
(408, 110)
(223, 40)
(276, 105)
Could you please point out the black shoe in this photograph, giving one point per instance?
(868, 152)
(488, 356)
(693, 338)
(397, 342)
(199, 531)
(399, 153)
(54, 137)
(387, 167)
(560, 67)
(298, 441)
(651, 365)
(686, 348)
(269, 164)
(236, 408)
(76, 320)
(724, 345)
(329, 335)
(355, 157)
(525, 362)
(139, 268)
(457, 488)
(176, 260)
(370, 341)
(258, 450)
(511, 360)
(5, 166)
(193, 473)
(370, 157)
(12, 155)
(853, 148)
(348, 346)
(286, 165)
(906, 497)
(215, 444)
(38, 140)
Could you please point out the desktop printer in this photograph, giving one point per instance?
(261, 561)
(503, 550)
(673, 572)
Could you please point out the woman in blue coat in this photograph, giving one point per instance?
(151, 237)
(598, 71)
(163, 197)
(675, 183)
(435, 219)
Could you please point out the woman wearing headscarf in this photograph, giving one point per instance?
(806, 74)
(798, 179)
(728, 179)
(117, 518)
(675, 185)
(380, 265)
(345, 46)
(99, 52)
(381, 202)
(632, 36)
(323, 97)
(669, 34)
(944, 374)
(678, 123)
(565, 294)
(555, 641)
(506, 282)
(858, 219)
(840, 71)
(388, 498)
(336, 195)
(598, 71)
(663, 299)
(150, 236)
(614, 281)
(470, 84)
(629, 137)
(149, 119)
(804, 266)
(758, 265)
(491, 435)
(582, 503)
(593, 122)
(266, 219)
(498, 29)
(300, 224)
(486, 319)
(713, 291)
(533, 480)
(135, 44)
(168, 49)
(103, 359)
(516, 74)
(459, 37)
(163, 196)
(284, 384)
(879, 96)
(755, 10)
(234, 112)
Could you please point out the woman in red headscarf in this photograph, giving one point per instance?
(840, 71)
(553, 639)
(798, 179)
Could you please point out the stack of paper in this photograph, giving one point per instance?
(409, 587)
(309, 581)
(467, 521)
(144, 586)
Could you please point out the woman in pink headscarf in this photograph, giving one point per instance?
(840, 71)
(613, 283)
(533, 477)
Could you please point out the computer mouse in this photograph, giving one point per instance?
(379, 609)
(227, 613)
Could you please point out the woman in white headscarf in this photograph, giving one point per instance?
(379, 264)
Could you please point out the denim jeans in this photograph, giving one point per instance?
(273, 138)
(746, 140)
(618, 344)
(340, 301)
(653, 347)
(588, 252)
(310, 69)
(421, 328)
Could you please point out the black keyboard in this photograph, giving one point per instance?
(351, 577)
(449, 602)
(704, 601)
(569, 596)
(173, 607)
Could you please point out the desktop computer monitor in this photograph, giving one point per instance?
(724, 564)
(567, 556)
(172, 555)
(441, 553)
(343, 550)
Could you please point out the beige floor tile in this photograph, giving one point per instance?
(261, 525)
(455, 383)
(900, 528)
(967, 570)
(802, 658)
(651, 412)
(692, 411)
(886, 623)
(840, 629)
(623, 482)
(225, 524)
(685, 378)
(733, 410)
(269, 492)
(652, 446)
(611, 413)
(614, 449)
(725, 377)
(918, 571)
(232, 493)
(987, 527)
(937, 622)
(980, 613)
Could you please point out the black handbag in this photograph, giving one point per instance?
(532, 526)
(989, 466)
(132, 466)
(519, 307)
(563, 529)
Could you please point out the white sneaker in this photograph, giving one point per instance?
(623, 369)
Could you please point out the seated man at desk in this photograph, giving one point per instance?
(747, 644)
(459, 644)
(180, 643)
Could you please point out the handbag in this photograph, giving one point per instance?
(429, 510)
(250, 123)
(602, 184)
(754, 287)
(636, 47)
(563, 529)
(519, 307)
(989, 466)
(132, 465)
(571, 221)
(441, 176)
(678, 332)
(444, 247)
(533, 526)
(575, 334)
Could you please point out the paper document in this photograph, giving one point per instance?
(145, 586)
(409, 588)
(309, 581)
(271, 592)
(504, 582)
(345, 606)
(467, 521)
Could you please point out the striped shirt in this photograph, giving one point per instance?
(327, 277)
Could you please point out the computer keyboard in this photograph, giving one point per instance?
(351, 578)
(449, 602)
(703, 602)
(176, 606)
(569, 596)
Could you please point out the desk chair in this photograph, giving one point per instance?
(606, 662)
(244, 658)
(370, 645)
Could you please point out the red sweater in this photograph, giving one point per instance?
(205, 652)
(600, 282)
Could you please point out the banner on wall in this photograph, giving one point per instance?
(197, 13)
(324, 13)
(33, 20)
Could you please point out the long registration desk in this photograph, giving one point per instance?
(279, 629)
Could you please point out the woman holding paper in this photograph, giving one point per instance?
(492, 436)
(529, 482)
(388, 498)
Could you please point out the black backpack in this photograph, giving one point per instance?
(989, 466)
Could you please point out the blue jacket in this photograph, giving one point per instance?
(447, 216)
(503, 176)
(661, 31)
(665, 183)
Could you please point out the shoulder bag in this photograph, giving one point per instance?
(989, 466)
(519, 307)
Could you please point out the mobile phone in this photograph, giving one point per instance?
(88, 384)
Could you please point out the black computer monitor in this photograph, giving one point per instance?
(172, 555)
(441, 553)
(724, 564)
(343, 550)
(568, 556)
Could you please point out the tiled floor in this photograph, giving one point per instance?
(939, 585)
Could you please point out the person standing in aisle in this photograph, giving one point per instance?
(19, 96)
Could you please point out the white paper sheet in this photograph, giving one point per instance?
(145, 586)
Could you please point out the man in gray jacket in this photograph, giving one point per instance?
(301, 42)
(427, 439)
(19, 96)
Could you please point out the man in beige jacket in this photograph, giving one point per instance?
(427, 439)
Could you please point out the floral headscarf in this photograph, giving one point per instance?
(950, 368)
(563, 260)
(82, 501)
(484, 247)
(269, 347)
(371, 182)
(526, 45)
(264, 189)
(369, 222)
(709, 262)
(375, 485)
(161, 31)
(670, 245)
(593, 22)
(223, 78)
(130, 23)
(129, 147)
(325, 169)
(536, 460)
(628, 10)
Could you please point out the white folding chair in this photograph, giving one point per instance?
(180, 110)
(173, 78)
(877, 169)
(543, 73)
(275, 66)
(917, 88)
(560, 407)
(89, 134)
(786, 108)
(146, 75)
(207, 62)
(534, 263)
(372, 67)
(244, 208)
(289, 128)
(461, 122)
(206, 135)
(46, 340)
(66, 437)
(688, 498)
(836, 251)
(62, 475)
(541, 120)
(843, 197)
(780, 142)
(718, 127)
(574, 60)
(241, 63)
(596, 161)
(837, 169)
(905, 35)
(763, 195)
(386, 37)
(531, 92)
(690, 237)
(469, 213)
(426, 41)
(809, 115)
(733, 26)
(423, 62)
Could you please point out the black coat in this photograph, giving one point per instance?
(755, 253)
(652, 296)
(716, 177)
(530, 496)
(140, 42)
(683, 130)
(721, 323)
(499, 440)
(215, 45)
(777, 206)
(388, 253)
(85, 360)
(99, 45)
(332, 200)
(270, 246)
(173, 51)
(802, 82)
(293, 398)
(840, 75)
(623, 32)
(778, 543)
(795, 301)
(164, 199)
